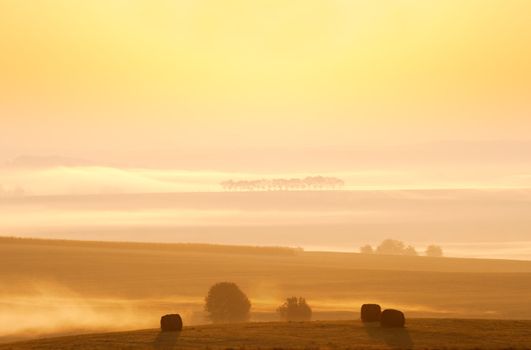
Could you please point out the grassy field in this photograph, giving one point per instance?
(419, 334)
(59, 287)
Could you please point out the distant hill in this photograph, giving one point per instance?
(358, 156)
(336, 259)
(29, 161)
(174, 247)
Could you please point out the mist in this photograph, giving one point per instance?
(42, 308)
(466, 223)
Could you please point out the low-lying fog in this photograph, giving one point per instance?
(47, 309)
(94, 179)
(466, 223)
(473, 211)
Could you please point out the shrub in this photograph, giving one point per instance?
(366, 249)
(226, 303)
(410, 250)
(295, 309)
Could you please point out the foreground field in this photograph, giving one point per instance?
(419, 334)
(52, 288)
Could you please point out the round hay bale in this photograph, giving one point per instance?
(171, 323)
(370, 312)
(392, 318)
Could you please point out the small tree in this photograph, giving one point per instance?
(434, 251)
(226, 303)
(367, 249)
(295, 309)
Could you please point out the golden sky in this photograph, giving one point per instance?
(137, 74)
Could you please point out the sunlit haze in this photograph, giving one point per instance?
(137, 97)
(142, 82)
(265, 174)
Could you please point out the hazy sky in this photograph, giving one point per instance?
(101, 78)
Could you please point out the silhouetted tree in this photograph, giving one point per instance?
(434, 251)
(226, 303)
(227, 185)
(391, 247)
(410, 250)
(394, 247)
(295, 309)
(366, 249)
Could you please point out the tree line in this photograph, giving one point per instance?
(280, 184)
(16, 191)
(395, 247)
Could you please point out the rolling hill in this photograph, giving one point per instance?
(56, 287)
(419, 334)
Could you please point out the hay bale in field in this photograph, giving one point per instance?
(171, 323)
(392, 318)
(370, 312)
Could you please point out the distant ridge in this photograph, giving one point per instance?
(31, 161)
(370, 261)
(187, 247)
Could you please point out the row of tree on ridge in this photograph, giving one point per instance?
(16, 191)
(395, 247)
(281, 184)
